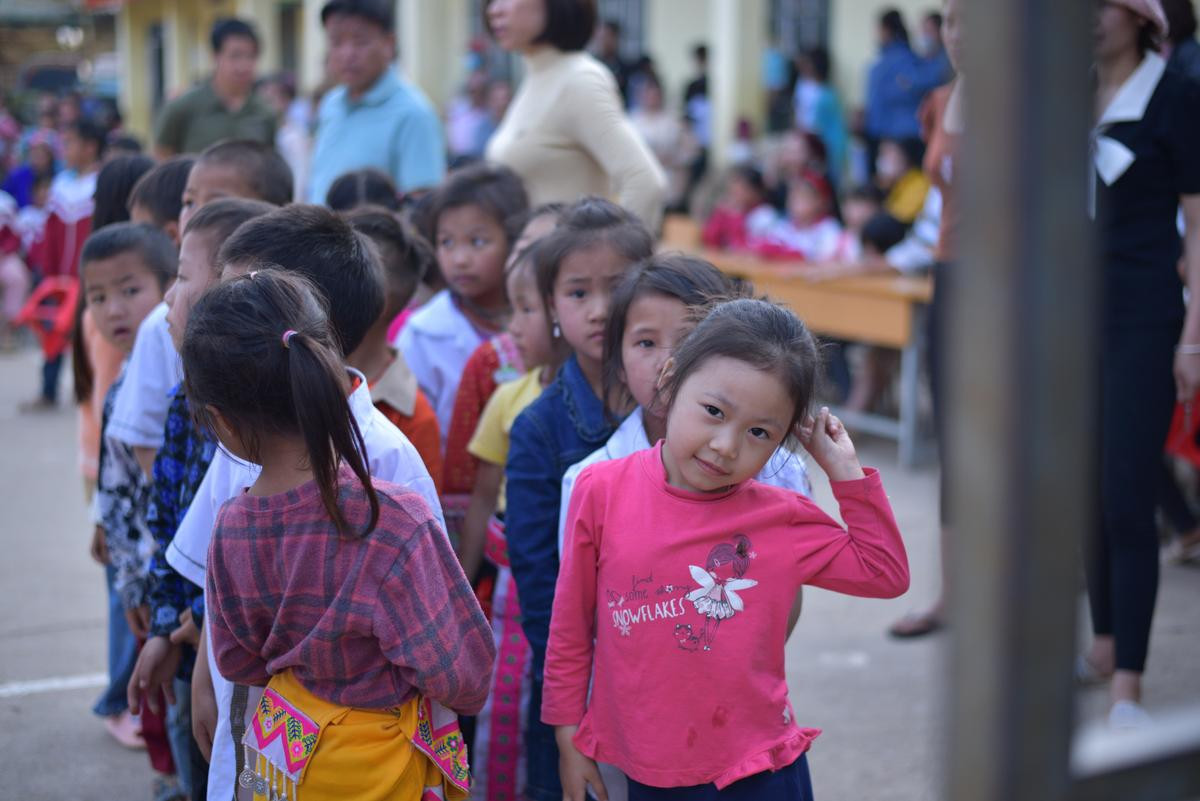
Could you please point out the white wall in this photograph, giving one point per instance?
(672, 28)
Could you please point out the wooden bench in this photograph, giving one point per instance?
(885, 310)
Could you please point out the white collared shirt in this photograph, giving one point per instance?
(390, 456)
(1111, 158)
(154, 370)
(784, 469)
(436, 342)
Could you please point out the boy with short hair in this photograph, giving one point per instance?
(157, 197)
(406, 257)
(233, 168)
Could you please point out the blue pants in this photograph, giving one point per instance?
(790, 784)
(541, 752)
(122, 655)
(179, 733)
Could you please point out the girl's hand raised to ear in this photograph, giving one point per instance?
(826, 440)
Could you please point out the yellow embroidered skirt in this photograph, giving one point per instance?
(302, 748)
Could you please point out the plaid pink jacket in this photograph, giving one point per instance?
(362, 621)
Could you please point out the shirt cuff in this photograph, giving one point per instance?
(871, 482)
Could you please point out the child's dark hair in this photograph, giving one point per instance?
(91, 131)
(516, 224)
(220, 218)
(589, 222)
(762, 334)
(868, 193)
(883, 232)
(377, 12)
(694, 282)
(160, 191)
(151, 245)
(114, 183)
(321, 246)
(362, 187)
(405, 255)
(497, 190)
(751, 176)
(266, 173)
(259, 350)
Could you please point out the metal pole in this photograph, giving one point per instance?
(1021, 393)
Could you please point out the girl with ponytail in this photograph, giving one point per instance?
(337, 591)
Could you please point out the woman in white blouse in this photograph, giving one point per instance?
(566, 132)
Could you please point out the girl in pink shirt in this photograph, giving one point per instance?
(679, 567)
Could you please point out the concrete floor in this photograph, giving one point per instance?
(876, 699)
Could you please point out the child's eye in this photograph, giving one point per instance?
(130, 291)
(759, 433)
(446, 243)
(644, 343)
(577, 294)
(479, 242)
(712, 410)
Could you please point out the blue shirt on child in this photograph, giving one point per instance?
(565, 424)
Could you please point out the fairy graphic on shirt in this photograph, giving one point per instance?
(720, 581)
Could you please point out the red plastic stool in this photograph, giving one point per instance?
(50, 312)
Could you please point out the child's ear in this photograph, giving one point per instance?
(171, 229)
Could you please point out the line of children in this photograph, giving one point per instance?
(332, 604)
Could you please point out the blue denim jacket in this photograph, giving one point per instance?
(554, 432)
(898, 82)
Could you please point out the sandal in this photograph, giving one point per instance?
(917, 624)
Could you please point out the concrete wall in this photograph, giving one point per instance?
(673, 27)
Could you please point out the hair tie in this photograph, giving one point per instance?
(287, 337)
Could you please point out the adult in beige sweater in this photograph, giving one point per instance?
(566, 132)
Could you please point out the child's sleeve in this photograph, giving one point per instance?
(140, 409)
(428, 621)
(867, 558)
(572, 625)
(531, 525)
(239, 662)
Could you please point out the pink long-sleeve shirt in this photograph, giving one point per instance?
(682, 599)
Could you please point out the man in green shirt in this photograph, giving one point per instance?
(224, 106)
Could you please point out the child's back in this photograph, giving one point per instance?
(352, 617)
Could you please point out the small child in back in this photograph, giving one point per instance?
(232, 168)
(472, 242)
(495, 362)
(743, 206)
(405, 257)
(335, 589)
(809, 231)
(125, 268)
